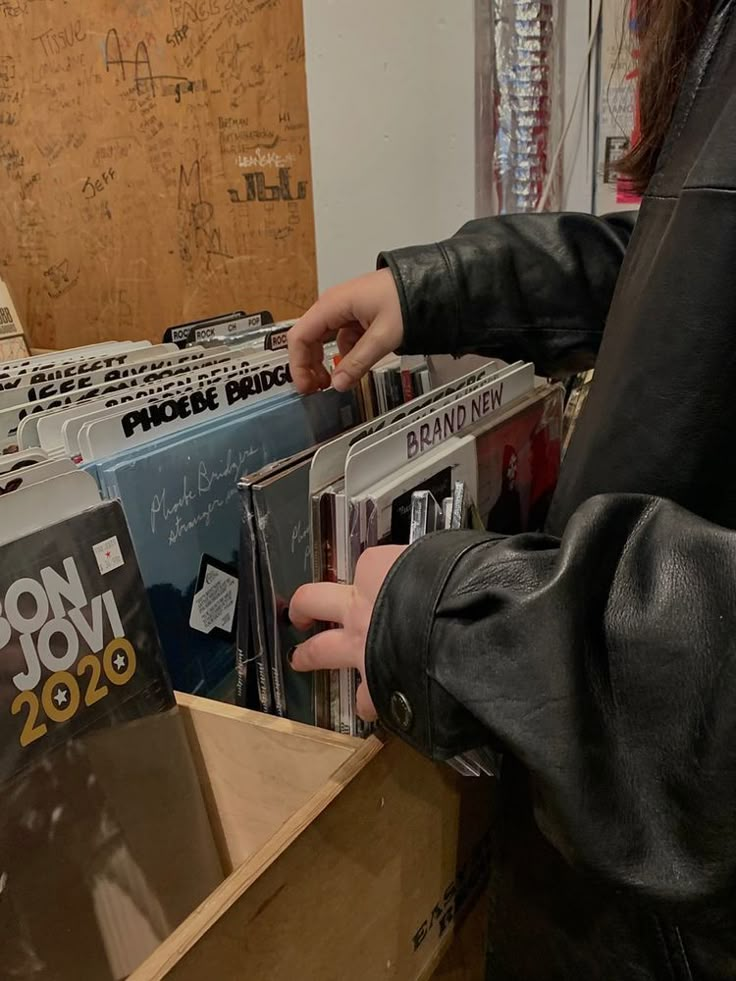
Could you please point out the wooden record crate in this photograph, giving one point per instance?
(346, 859)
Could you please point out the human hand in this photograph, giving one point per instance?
(351, 608)
(364, 315)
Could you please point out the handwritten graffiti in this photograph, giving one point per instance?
(256, 189)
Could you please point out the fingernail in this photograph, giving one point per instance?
(340, 381)
(290, 656)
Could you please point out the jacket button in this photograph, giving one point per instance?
(401, 711)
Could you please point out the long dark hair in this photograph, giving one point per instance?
(666, 33)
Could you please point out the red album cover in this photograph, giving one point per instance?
(519, 463)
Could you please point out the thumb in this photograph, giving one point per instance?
(364, 704)
(375, 344)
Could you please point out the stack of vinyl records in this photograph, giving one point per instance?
(119, 535)
(159, 506)
(482, 451)
(237, 490)
(392, 382)
(168, 430)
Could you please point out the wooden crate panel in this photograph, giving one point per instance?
(361, 882)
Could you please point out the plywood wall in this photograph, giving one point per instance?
(154, 164)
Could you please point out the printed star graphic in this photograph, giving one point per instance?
(120, 662)
(61, 697)
(108, 553)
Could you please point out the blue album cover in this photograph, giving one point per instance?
(180, 498)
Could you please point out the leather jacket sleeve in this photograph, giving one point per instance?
(532, 287)
(605, 663)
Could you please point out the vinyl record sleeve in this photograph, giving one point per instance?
(181, 499)
(248, 660)
(281, 507)
(519, 464)
(105, 845)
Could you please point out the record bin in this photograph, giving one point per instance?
(346, 859)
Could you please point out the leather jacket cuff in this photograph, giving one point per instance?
(417, 271)
(398, 649)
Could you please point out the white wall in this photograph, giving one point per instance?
(392, 119)
(391, 87)
(579, 152)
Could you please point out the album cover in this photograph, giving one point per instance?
(254, 639)
(181, 500)
(425, 515)
(324, 569)
(252, 674)
(105, 844)
(388, 501)
(324, 530)
(460, 505)
(384, 510)
(281, 508)
(406, 440)
(519, 464)
(368, 395)
(434, 486)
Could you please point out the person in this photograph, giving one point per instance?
(505, 515)
(600, 655)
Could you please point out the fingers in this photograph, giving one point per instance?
(322, 377)
(306, 362)
(331, 651)
(332, 311)
(348, 337)
(367, 310)
(323, 602)
(306, 338)
(327, 651)
(375, 343)
(364, 704)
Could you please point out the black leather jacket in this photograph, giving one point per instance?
(600, 657)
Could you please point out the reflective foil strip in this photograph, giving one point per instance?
(527, 100)
(485, 110)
